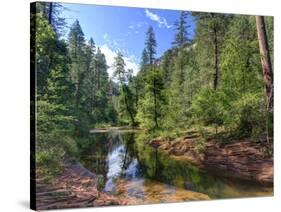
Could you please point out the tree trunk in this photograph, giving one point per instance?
(137, 93)
(265, 61)
(181, 68)
(125, 91)
(129, 110)
(155, 101)
(98, 78)
(50, 13)
(216, 60)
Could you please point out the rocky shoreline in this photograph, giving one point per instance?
(78, 187)
(75, 187)
(242, 160)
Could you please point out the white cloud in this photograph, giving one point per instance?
(105, 36)
(130, 64)
(162, 22)
(110, 54)
(136, 26)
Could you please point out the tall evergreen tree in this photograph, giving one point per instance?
(149, 109)
(79, 67)
(181, 38)
(89, 80)
(45, 43)
(52, 13)
(124, 77)
(144, 60)
(211, 28)
(181, 27)
(151, 51)
(101, 87)
(150, 46)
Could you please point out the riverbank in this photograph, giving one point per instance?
(123, 129)
(75, 187)
(242, 159)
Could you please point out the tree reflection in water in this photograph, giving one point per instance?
(132, 168)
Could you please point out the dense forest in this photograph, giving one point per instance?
(213, 82)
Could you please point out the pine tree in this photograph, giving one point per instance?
(144, 60)
(181, 38)
(211, 28)
(60, 89)
(175, 70)
(239, 53)
(51, 12)
(77, 54)
(89, 80)
(150, 46)
(149, 108)
(124, 76)
(181, 27)
(101, 87)
(45, 43)
(151, 51)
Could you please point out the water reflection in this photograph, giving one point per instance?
(134, 170)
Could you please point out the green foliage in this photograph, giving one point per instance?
(127, 98)
(245, 114)
(51, 12)
(210, 35)
(150, 107)
(44, 43)
(150, 46)
(249, 112)
(224, 55)
(240, 57)
(200, 145)
(213, 81)
(89, 74)
(181, 36)
(149, 110)
(111, 114)
(208, 107)
(101, 183)
(51, 149)
(47, 164)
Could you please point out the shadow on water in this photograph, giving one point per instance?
(131, 167)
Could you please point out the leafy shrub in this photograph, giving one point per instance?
(208, 107)
(200, 145)
(82, 125)
(51, 148)
(101, 183)
(249, 111)
(47, 163)
(244, 114)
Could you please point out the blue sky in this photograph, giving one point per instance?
(123, 29)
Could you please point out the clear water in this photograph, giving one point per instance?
(142, 174)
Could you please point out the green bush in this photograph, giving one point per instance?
(47, 163)
(200, 145)
(243, 114)
(208, 107)
(249, 111)
(101, 183)
(51, 149)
